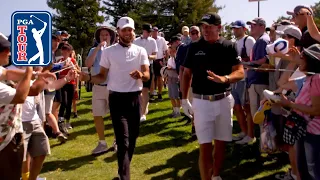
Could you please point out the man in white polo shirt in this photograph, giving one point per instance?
(150, 45)
(126, 65)
(158, 63)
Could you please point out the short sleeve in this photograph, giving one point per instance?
(233, 55)
(188, 59)
(249, 44)
(1, 70)
(315, 85)
(91, 51)
(7, 93)
(165, 46)
(105, 61)
(144, 60)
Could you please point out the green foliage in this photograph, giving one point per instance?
(79, 18)
(168, 15)
(227, 32)
(316, 10)
(282, 18)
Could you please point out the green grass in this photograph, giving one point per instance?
(164, 151)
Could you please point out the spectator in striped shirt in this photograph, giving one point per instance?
(307, 104)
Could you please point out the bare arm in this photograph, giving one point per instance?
(91, 58)
(237, 73)
(153, 56)
(145, 72)
(37, 87)
(284, 78)
(312, 28)
(22, 89)
(186, 80)
(17, 75)
(101, 77)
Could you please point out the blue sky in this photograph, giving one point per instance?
(234, 10)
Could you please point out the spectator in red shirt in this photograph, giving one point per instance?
(67, 91)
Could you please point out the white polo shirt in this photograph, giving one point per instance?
(121, 61)
(162, 47)
(149, 44)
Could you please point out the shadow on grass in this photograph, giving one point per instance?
(241, 165)
(152, 111)
(86, 102)
(88, 131)
(67, 165)
(181, 161)
(164, 144)
(84, 111)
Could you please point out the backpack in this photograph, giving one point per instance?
(244, 54)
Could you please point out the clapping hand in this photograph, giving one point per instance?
(216, 78)
(136, 74)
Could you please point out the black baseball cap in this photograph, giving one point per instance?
(174, 38)
(147, 27)
(298, 8)
(210, 19)
(4, 43)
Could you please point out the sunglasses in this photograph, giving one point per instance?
(194, 33)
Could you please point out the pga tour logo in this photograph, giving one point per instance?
(31, 38)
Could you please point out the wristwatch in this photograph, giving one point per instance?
(228, 79)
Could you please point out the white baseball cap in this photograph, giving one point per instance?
(125, 22)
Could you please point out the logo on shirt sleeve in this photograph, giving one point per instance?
(31, 38)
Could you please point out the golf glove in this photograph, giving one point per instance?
(187, 108)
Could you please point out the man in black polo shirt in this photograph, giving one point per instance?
(300, 20)
(213, 64)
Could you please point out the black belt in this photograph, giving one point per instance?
(101, 84)
(215, 97)
(125, 93)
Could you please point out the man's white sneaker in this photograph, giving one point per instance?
(216, 178)
(238, 136)
(246, 140)
(143, 118)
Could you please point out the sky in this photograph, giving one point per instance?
(234, 10)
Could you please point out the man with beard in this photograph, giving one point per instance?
(126, 66)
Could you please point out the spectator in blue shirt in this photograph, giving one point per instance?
(258, 81)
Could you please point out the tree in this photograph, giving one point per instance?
(316, 11)
(79, 18)
(167, 15)
(227, 32)
(281, 18)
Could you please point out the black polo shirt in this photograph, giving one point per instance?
(306, 39)
(218, 57)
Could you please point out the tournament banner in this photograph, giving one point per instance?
(31, 33)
